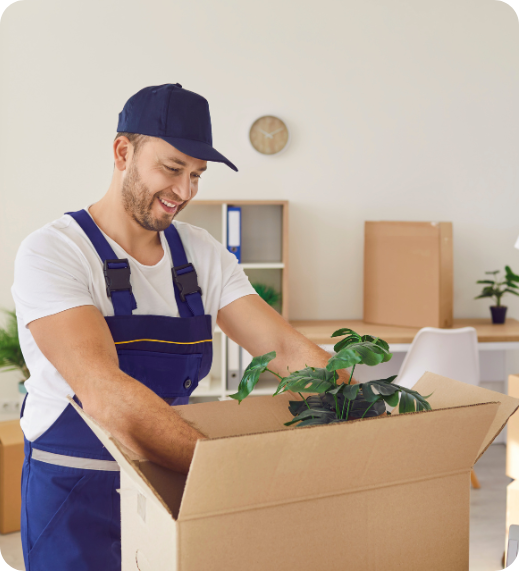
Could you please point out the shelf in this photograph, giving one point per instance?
(264, 253)
(267, 266)
(214, 389)
(259, 392)
(264, 239)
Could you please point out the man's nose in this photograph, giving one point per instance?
(182, 187)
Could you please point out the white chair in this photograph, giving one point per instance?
(452, 353)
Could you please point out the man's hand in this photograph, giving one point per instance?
(79, 344)
(259, 329)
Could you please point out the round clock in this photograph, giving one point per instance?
(268, 135)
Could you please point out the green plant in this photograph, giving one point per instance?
(497, 289)
(267, 293)
(337, 402)
(11, 357)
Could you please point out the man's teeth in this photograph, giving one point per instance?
(167, 203)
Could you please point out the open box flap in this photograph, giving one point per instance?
(127, 460)
(266, 469)
(449, 393)
(230, 418)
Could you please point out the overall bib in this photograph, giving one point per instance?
(70, 507)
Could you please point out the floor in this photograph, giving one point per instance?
(487, 519)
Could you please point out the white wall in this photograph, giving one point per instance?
(398, 110)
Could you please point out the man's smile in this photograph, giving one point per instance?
(169, 207)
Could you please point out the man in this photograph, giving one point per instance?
(117, 305)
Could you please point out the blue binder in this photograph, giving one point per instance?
(234, 231)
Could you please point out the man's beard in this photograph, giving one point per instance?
(138, 202)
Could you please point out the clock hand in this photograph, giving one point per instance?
(277, 131)
(265, 133)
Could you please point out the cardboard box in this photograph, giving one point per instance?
(11, 462)
(512, 433)
(408, 274)
(389, 493)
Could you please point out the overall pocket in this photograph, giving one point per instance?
(168, 375)
(73, 518)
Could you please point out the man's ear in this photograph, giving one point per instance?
(123, 151)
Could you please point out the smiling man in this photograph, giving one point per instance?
(116, 307)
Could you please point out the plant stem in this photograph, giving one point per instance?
(351, 376)
(308, 406)
(305, 401)
(368, 408)
(342, 412)
(345, 399)
(336, 406)
(348, 410)
(278, 376)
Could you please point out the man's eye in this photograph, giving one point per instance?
(177, 170)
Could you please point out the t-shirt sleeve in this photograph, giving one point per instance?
(235, 283)
(50, 276)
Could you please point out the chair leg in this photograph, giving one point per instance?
(474, 480)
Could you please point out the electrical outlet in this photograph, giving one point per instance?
(9, 406)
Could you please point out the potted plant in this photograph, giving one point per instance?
(11, 357)
(496, 289)
(336, 402)
(267, 294)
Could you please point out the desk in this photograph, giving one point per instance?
(490, 337)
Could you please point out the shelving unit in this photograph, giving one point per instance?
(264, 250)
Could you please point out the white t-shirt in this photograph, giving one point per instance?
(57, 268)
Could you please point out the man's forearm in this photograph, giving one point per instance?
(143, 422)
(296, 352)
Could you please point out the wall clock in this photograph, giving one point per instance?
(268, 135)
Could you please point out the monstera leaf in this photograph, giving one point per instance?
(344, 359)
(360, 352)
(349, 391)
(410, 401)
(386, 391)
(251, 375)
(315, 415)
(309, 380)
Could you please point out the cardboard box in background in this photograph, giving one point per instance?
(388, 493)
(408, 274)
(11, 462)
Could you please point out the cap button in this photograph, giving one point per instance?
(178, 84)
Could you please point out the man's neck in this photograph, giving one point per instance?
(143, 245)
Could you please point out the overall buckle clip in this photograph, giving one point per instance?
(186, 282)
(117, 279)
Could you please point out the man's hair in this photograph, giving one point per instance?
(135, 139)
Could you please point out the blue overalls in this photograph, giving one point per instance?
(70, 508)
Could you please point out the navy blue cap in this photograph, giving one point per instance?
(174, 114)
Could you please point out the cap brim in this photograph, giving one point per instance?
(198, 150)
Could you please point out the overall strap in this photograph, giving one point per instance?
(116, 271)
(187, 292)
